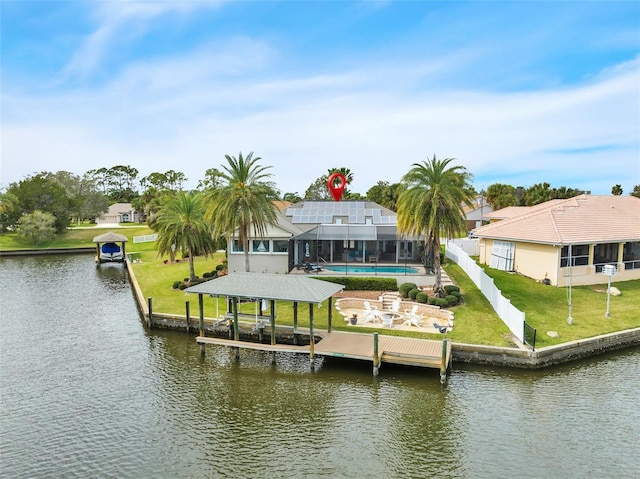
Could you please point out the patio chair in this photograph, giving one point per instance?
(371, 313)
(413, 318)
(395, 306)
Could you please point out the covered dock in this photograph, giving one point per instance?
(303, 289)
(110, 251)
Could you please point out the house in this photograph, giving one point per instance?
(119, 213)
(348, 232)
(475, 214)
(566, 241)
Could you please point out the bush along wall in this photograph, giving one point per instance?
(362, 284)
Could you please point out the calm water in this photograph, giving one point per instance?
(86, 391)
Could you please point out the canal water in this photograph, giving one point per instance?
(88, 391)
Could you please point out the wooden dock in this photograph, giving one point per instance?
(365, 347)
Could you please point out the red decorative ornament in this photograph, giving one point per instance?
(336, 183)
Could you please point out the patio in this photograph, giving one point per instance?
(347, 307)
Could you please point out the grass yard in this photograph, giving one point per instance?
(546, 307)
(73, 238)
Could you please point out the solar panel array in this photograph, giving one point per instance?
(324, 212)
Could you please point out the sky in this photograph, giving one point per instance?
(517, 92)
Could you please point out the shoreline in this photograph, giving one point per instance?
(461, 352)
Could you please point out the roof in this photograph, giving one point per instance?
(578, 220)
(354, 212)
(283, 287)
(110, 237)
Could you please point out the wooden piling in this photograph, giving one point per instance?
(443, 363)
(188, 315)
(329, 315)
(376, 356)
(150, 318)
(311, 336)
(236, 330)
(201, 313)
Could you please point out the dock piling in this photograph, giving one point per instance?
(376, 356)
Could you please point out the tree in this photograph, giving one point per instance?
(636, 191)
(244, 201)
(292, 197)
(385, 194)
(432, 205)
(8, 204)
(538, 193)
(37, 227)
(212, 179)
(500, 196)
(180, 225)
(42, 192)
(616, 190)
(563, 193)
(319, 189)
(117, 182)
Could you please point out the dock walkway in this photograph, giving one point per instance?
(359, 346)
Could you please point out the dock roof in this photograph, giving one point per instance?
(283, 287)
(110, 237)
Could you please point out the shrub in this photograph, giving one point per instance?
(176, 284)
(441, 302)
(422, 297)
(219, 268)
(451, 299)
(206, 275)
(450, 288)
(182, 286)
(405, 288)
(432, 300)
(186, 280)
(413, 293)
(457, 294)
(362, 284)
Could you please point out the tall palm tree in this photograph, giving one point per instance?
(432, 204)
(180, 225)
(244, 201)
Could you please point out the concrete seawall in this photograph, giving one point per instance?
(32, 252)
(461, 352)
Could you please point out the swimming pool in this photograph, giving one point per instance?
(372, 269)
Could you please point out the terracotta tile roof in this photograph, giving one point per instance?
(581, 219)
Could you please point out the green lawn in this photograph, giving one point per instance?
(546, 307)
(73, 238)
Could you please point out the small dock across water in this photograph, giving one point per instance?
(365, 347)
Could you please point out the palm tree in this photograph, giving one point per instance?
(245, 201)
(432, 204)
(180, 224)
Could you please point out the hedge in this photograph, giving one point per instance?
(362, 284)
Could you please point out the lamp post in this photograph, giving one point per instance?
(609, 270)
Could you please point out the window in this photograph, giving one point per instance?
(579, 255)
(260, 246)
(280, 246)
(236, 247)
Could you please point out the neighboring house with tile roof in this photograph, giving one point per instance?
(561, 239)
(347, 232)
(475, 214)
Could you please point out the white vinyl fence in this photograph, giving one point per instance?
(510, 315)
(145, 238)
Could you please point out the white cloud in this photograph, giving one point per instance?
(186, 113)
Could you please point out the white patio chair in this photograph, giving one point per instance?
(413, 318)
(395, 306)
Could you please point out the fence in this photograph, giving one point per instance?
(145, 238)
(509, 314)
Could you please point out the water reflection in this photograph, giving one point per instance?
(86, 388)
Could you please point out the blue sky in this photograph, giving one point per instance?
(518, 92)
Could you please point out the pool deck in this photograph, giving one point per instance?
(420, 279)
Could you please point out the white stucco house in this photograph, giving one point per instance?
(566, 240)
